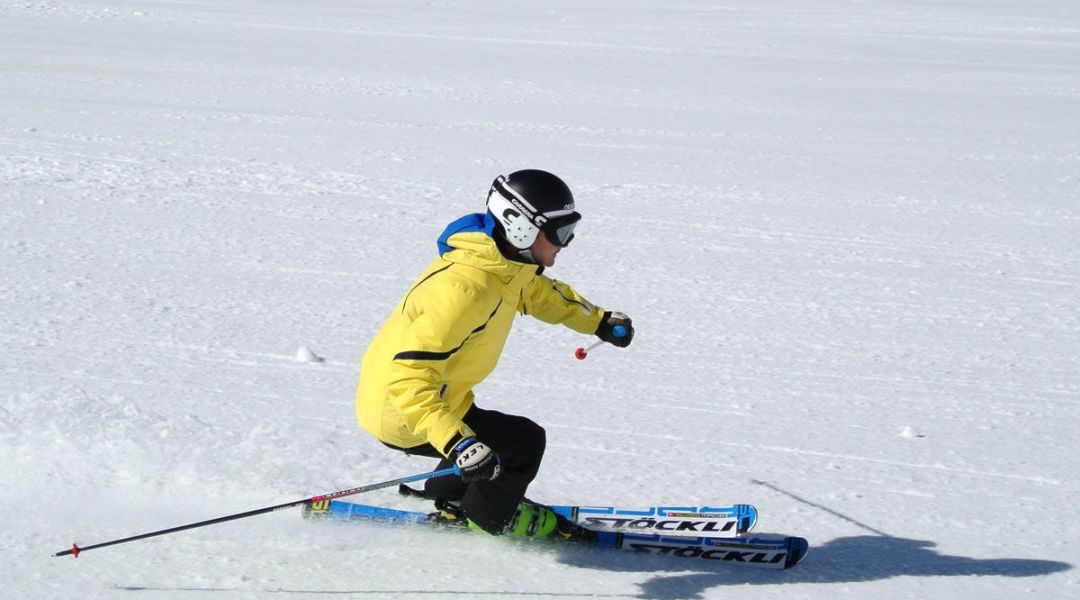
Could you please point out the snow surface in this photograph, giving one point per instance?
(847, 233)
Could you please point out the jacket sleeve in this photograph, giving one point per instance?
(440, 323)
(553, 301)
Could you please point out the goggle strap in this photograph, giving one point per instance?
(510, 195)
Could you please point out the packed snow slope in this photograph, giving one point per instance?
(848, 233)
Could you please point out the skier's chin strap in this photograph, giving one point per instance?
(526, 256)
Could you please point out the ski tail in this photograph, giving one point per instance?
(348, 511)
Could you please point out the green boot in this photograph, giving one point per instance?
(531, 521)
(537, 522)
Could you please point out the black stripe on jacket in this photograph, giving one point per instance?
(426, 355)
(420, 283)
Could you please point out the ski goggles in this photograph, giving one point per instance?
(560, 230)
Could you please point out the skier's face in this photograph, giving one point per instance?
(543, 251)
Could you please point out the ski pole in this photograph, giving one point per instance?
(581, 353)
(76, 549)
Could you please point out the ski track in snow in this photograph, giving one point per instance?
(847, 233)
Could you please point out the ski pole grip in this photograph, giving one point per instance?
(618, 331)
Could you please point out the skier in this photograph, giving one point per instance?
(445, 336)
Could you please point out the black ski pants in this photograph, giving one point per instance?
(520, 444)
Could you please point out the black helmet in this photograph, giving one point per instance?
(530, 201)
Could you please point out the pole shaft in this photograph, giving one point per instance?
(75, 549)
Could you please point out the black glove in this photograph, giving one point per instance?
(612, 325)
(476, 460)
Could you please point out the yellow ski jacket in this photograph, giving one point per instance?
(446, 335)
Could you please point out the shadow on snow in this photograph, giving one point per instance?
(853, 559)
(842, 560)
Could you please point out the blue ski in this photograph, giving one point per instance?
(691, 520)
(768, 552)
(697, 521)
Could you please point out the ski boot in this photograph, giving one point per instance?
(531, 521)
(448, 513)
(538, 522)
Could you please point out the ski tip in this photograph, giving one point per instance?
(748, 516)
(797, 548)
